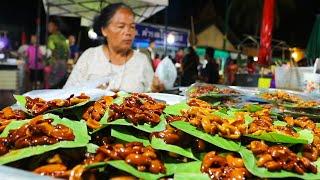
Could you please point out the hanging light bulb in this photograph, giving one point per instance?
(170, 38)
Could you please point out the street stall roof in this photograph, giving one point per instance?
(88, 9)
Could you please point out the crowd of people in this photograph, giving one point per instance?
(53, 67)
(188, 64)
(47, 67)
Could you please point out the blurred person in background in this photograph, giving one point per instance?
(189, 67)
(251, 66)
(179, 56)
(74, 48)
(59, 47)
(22, 51)
(35, 64)
(210, 73)
(156, 61)
(232, 70)
(149, 52)
(74, 53)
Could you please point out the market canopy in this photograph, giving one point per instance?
(313, 47)
(88, 9)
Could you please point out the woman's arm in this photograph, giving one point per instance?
(157, 86)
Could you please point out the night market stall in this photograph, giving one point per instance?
(206, 131)
(213, 132)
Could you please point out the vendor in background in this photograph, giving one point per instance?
(251, 66)
(149, 52)
(156, 61)
(59, 47)
(210, 73)
(74, 48)
(35, 63)
(179, 56)
(189, 67)
(115, 60)
(232, 70)
(73, 54)
(22, 51)
(25, 73)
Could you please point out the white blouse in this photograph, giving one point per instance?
(134, 76)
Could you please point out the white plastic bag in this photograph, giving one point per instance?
(317, 66)
(291, 77)
(166, 72)
(312, 80)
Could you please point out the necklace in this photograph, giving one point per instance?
(115, 83)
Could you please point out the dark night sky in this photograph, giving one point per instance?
(294, 27)
(20, 15)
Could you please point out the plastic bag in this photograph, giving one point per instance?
(312, 80)
(291, 77)
(167, 73)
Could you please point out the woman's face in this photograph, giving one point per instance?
(33, 39)
(52, 28)
(121, 30)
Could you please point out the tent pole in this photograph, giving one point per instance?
(226, 19)
(101, 1)
(166, 31)
(79, 38)
(47, 22)
(193, 36)
(38, 21)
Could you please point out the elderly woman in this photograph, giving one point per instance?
(127, 69)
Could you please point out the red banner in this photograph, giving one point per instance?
(265, 52)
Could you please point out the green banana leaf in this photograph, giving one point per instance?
(191, 176)
(299, 114)
(217, 103)
(213, 139)
(156, 143)
(143, 127)
(279, 123)
(127, 136)
(92, 148)
(217, 95)
(171, 168)
(176, 108)
(121, 96)
(248, 119)
(212, 94)
(190, 167)
(253, 108)
(122, 165)
(250, 163)
(159, 144)
(295, 106)
(21, 100)
(105, 117)
(123, 122)
(305, 137)
(79, 129)
(230, 115)
(119, 100)
(188, 171)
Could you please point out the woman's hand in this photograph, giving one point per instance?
(157, 86)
